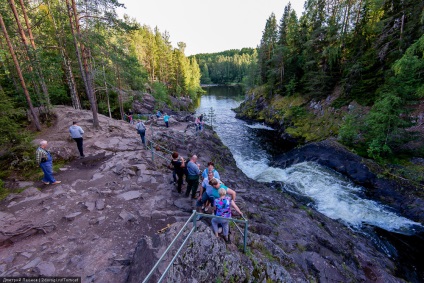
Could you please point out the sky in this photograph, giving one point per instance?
(208, 26)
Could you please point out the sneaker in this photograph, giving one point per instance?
(57, 182)
(219, 230)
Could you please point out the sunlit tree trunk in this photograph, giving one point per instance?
(83, 67)
(121, 106)
(21, 78)
(34, 61)
(107, 92)
(70, 79)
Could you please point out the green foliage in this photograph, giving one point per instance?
(349, 130)
(227, 67)
(160, 92)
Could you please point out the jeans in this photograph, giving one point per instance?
(205, 197)
(47, 168)
(180, 180)
(167, 124)
(192, 184)
(142, 134)
(79, 145)
(224, 223)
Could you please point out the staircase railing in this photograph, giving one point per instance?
(193, 218)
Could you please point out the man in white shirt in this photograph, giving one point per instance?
(76, 133)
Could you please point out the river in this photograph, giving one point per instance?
(253, 146)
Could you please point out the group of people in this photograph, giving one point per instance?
(44, 158)
(213, 193)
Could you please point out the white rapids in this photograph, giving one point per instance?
(333, 195)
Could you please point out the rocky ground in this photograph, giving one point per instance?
(101, 223)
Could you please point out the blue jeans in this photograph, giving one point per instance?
(142, 134)
(205, 197)
(224, 224)
(47, 168)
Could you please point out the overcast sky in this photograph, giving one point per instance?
(208, 26)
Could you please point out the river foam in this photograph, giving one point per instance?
(337, 197)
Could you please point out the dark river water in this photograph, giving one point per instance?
(253, 146)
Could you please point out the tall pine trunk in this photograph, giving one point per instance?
(121, 106)
(86, 80)
(32, 55)
(107, 92)
(21, 78)
(70, 79)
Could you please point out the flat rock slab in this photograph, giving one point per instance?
(72, 216)
(32, 263)
(30, 192)
(100, 204)
(130, 195)
(24, 184)
(89, 205)
(46, 268)
(127, 216)
(184, 203)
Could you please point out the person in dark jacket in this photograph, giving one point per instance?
(179, 164)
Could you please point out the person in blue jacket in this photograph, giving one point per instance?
(45, 161)
(166, 120)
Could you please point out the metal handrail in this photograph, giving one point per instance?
(193, 218)
(150, 145)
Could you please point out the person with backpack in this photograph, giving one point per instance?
(141, 129)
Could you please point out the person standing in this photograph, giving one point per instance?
(166, 120)
(76, 133)
(223, 208)
(141, 129)
(45, 161)
(130, 117)
(210, 168)
(178, 163)
(193, 173)
(201, 122)
(197, 123)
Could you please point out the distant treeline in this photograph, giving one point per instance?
(231, 66)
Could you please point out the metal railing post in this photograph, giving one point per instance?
(194, 219)
(151, 149)
(245, 237)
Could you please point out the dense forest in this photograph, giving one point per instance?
(227, 67)
(365, 55)
(80, 53)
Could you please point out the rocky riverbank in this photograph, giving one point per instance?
(101, 223)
